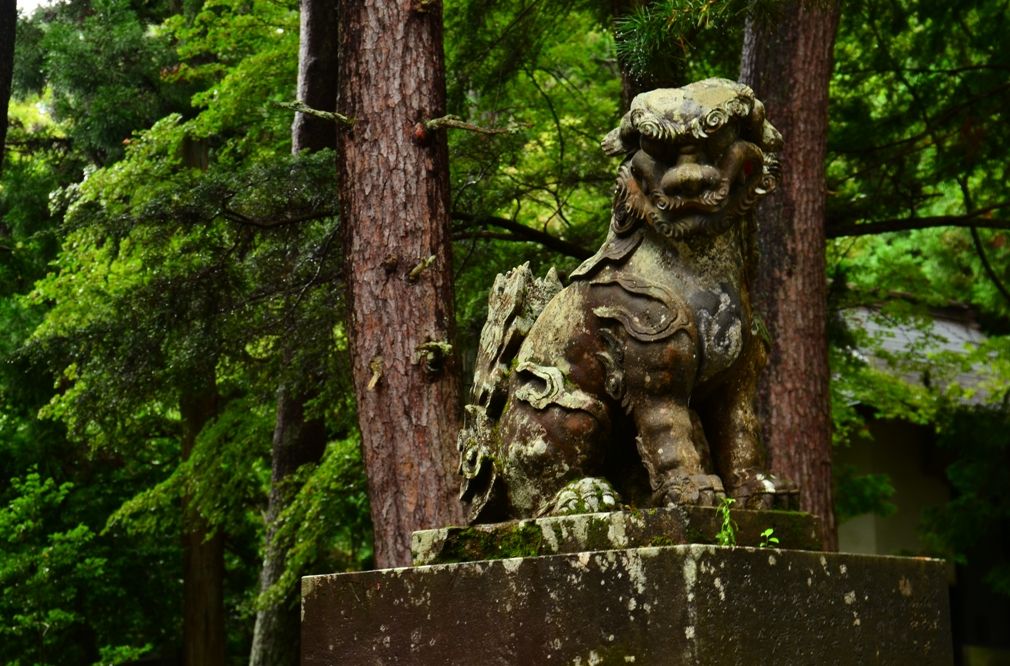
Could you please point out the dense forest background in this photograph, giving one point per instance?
(173, 297)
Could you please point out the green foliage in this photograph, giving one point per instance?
(246, 54)
(668, 43)
(487, 45)
(726, 536)
(857, 383)
(550, 174)
(326, 528)
(29, 74)
(182, 263)
(104, 66)
(36, 163)
(856, 494)
(917, 95)
(930, 78)
(971, 528)
(60, 578)
(199, 247)
(219, 478)
(561, 94)
(41, 571)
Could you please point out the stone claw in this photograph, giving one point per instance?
(690, 489)
(588, 495)
(761, 491)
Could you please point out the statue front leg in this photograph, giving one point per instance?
(671, 441)
(672, 446)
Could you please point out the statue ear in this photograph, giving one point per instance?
(762, 132)
(623, 140)
(771, 140)
(612, 144)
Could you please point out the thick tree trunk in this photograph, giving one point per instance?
(787, 59)
(297, 441)
(203, 633)
(394, 201)
(8, 30)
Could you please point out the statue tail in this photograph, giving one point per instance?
(516, 300)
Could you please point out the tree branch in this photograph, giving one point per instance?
(36, 143)
(978, 218)
(455, 122)
(301, 107)
(942, 116)
(924, 70)
(980, 251)
(520, 232)
(270, 223)
(969, 203)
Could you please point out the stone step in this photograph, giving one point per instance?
(607, 531)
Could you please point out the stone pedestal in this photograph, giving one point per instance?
(680, 604)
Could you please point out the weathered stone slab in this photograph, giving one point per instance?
(691, 604)
(608, 531)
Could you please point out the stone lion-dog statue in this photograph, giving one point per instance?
(634, 385)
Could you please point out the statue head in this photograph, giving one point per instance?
(696, 158)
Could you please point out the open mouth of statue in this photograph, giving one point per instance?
(683, 225)
(708, 212)
(708, 201)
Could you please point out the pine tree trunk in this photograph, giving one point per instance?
(394, 200)
(787, 59)
(8, 30)
(297, 440)
(203, 632)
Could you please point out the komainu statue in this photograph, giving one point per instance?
(634, 385)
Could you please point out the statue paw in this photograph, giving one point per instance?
(690, 489)
(588, 495)
(753, 489)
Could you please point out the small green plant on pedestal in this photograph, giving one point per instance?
(726, 536)
(768, 538)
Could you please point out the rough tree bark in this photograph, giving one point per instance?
(787, 60)
(203, 634)
(8, 30)
(394, 210)
(297, 440)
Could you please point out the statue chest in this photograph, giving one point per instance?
(712, 313)
(721, 324)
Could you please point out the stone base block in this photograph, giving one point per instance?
(689, 604)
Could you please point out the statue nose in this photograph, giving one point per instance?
(685, 179)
